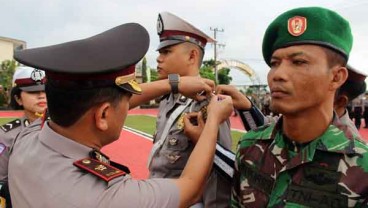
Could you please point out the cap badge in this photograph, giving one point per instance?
(297, 25)
(160, 25)
(37, 75)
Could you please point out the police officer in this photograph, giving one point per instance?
(305, 153)
(28, 95)
(181, 51)
(89, 85)
(353, 87)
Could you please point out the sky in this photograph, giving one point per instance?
(47, 22)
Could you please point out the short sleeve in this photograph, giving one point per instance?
(141, 193)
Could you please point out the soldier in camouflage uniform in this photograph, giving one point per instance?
(352, 88)
(308, 158)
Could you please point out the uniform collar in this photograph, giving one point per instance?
(334, 139)
(63, 145)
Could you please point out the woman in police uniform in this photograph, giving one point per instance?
(28, 95)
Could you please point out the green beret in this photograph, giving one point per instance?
(308, 25)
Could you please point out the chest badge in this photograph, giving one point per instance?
(180, 122)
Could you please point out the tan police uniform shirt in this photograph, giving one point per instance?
(8, 133)
(42, 174)
(170, 160)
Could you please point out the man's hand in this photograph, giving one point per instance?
(196, 87)
(219, 108)
(193, 126)
(241, 102)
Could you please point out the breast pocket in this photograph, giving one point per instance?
(177, 141)
(177, 150)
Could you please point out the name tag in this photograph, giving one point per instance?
(315, 198)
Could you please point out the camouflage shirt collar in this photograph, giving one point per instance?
(332, 140)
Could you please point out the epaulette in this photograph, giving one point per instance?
(11, 125)
(99, 169)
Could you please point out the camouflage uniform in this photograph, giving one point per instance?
(272, 171)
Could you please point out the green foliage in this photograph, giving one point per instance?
(141, 123)
(206, 72)
(154, 75)
(223, 76)
(210, 63)
(144, 69)
(5, 120)
(6, 72)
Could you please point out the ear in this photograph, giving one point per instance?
(18, 100)
(339, 76)
(193, 56)
(341, 101)
(102, 114)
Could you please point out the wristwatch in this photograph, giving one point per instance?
(174, 82)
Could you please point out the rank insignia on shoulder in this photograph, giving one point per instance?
(99, 169)
(11, 125)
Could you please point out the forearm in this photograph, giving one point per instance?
(199, 163)
(150, 91)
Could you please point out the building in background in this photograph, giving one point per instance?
(7, 47)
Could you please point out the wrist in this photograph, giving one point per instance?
(174, 80)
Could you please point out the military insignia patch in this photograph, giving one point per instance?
(173, 158)
(173, 141)
(180, 122)
(99, 169)
(297, 25)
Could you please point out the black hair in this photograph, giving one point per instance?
(15, 92)
(66, 106)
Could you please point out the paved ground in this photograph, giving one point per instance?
(132, 149)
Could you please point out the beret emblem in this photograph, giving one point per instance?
(297, 25)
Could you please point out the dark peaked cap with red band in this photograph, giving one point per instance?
(106, 59)
(174, 30)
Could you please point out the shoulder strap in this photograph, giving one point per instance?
(102, 170)
(11, 125)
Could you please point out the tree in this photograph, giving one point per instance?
(144, 70)
(223, 76)
(6, 72)
(207, 71)
(154, 75)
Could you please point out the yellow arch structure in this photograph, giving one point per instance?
(245, 68)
